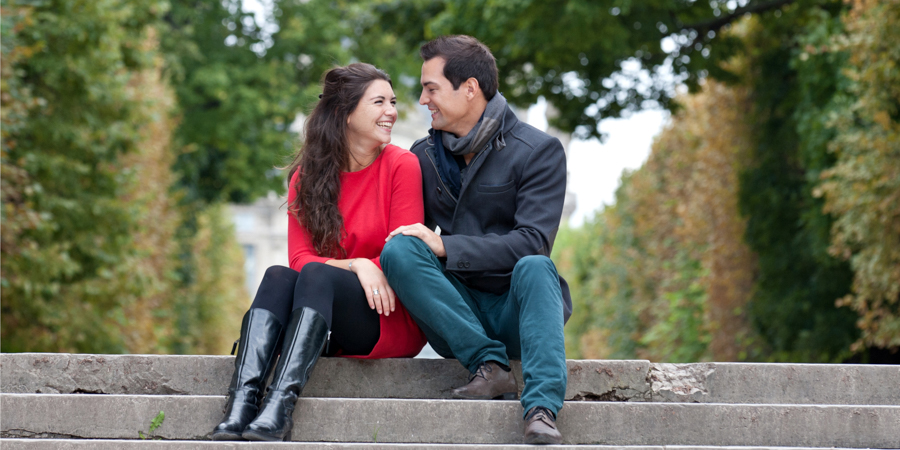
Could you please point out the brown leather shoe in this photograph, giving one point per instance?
(540, 427)
(488, 382)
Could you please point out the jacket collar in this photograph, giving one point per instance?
(510, 120)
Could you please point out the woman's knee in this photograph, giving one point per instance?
(312, 272)
(279, 272)
(278, 278)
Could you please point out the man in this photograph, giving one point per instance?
(485, 290)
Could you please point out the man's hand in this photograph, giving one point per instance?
(430, 238)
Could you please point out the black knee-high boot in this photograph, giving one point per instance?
(260, 340)
(304, 339)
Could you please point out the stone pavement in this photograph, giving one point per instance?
(102, 401)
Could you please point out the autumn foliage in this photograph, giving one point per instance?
(764, 225)
(862, 189)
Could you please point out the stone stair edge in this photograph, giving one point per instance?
(111, 444)
(591, 380)
(427, 360)
(155, 397)
(486, 422)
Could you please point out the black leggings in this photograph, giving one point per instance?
(355, 329)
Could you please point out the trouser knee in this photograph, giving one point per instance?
(403, 253)
(535, 278)
(409, 266)
(534, 268)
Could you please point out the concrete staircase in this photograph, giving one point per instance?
(71, 401)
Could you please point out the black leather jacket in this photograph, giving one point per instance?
(509, 205)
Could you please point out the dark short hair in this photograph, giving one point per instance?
(466, 57)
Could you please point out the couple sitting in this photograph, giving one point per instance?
(360, 241)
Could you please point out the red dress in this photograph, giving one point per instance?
(373, 202)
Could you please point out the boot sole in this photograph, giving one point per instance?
(543, 440)
(257, 436)
(227, 436)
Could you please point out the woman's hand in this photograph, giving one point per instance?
(379, 294)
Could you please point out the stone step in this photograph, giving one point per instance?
(87, 416)
(594, 380)
(97, 444)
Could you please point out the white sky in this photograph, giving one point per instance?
(595, 169)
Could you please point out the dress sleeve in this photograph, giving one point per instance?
(300, 248)
(406, 205)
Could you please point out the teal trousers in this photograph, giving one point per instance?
(473, 326)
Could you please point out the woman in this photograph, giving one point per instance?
(348, 189)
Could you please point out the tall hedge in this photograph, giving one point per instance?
(89, 211)
(765, 224)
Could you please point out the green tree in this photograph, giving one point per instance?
(572, 52)
(235, 101)
(862, 189)
(798, 282)
(89, 259)
(241, 82)
(69, 113)
(600, 261)
(706, 281)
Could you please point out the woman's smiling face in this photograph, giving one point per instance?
(369, 125)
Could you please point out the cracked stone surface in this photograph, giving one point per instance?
(680, 382)
(25, 434)
(332, 377)
(52, 373)
(616, 381)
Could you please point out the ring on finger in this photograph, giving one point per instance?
(375, 292)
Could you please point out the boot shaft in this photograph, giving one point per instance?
(304, 339)
(261, 337)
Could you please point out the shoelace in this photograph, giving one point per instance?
(484, 367)
(542, 414)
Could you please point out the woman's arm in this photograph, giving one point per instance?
(405, 203)
(405, 208)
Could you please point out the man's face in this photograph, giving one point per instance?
(448, 106)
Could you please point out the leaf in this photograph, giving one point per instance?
(157, 421)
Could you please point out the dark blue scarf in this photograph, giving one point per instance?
(450, 154)
(449, 165)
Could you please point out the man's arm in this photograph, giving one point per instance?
(539, 203)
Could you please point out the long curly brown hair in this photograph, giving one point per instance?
(324, 154)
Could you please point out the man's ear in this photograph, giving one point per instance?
(473, 89)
